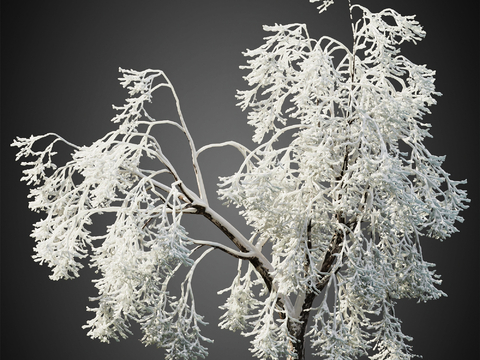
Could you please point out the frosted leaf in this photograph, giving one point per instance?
(240, 303)
(325, 4)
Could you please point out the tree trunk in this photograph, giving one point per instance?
(297, 348)
(297, 329)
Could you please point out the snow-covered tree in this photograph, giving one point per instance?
(338, 192)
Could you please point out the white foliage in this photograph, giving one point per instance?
(271, 335)
(340, 185)
(145, 245)
(240, 303)
(345, 154)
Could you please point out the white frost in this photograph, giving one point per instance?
(340, 185)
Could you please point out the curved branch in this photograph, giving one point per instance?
(59, 138)
(241, 148)
(229, 251)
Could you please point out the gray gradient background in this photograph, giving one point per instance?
(60, 64)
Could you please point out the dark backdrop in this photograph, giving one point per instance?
(60, 64)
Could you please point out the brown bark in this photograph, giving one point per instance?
(298, 329)
(264, 273)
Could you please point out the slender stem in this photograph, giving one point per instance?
(232, 252)
(196, 167)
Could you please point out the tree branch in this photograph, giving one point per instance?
(226, 249)
(258, 260)
(196, 167)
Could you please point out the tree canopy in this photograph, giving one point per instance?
(339, 191)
